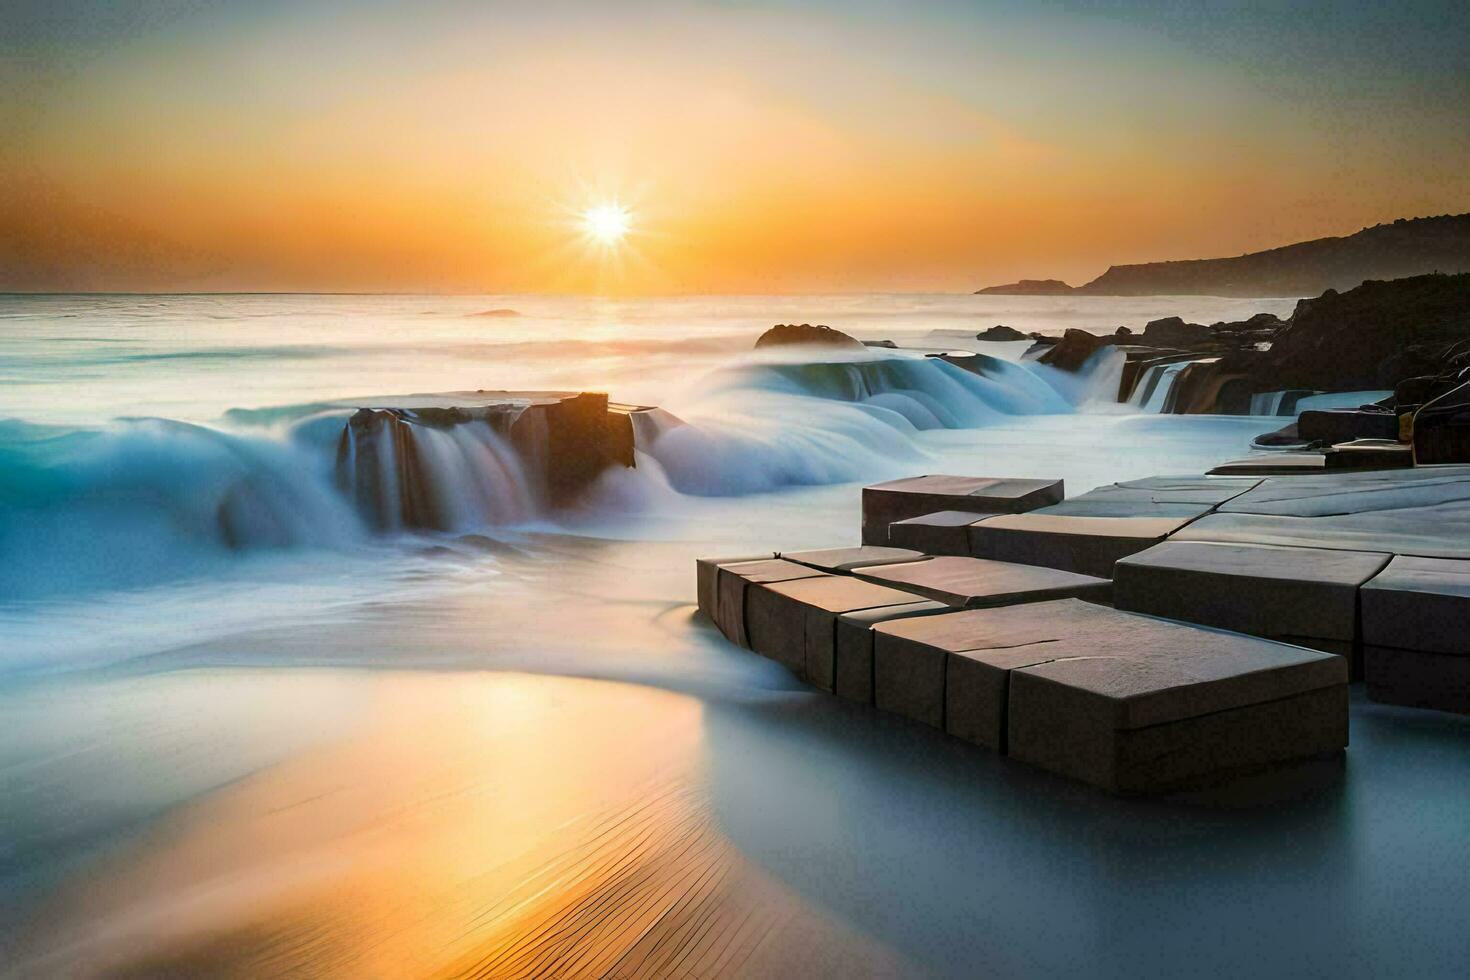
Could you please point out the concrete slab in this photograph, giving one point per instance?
(1441, 531)
(1332, 494)
(707, 580)
(1370, 454)
(977, 582)
(1201, 489)
(732, 586)
(1119, 505)
(951, 671)
(1208, 488)
(1272, 464)
(1085, 545)
(1207, 748)
(1419, 604)
(1297, 595)
(913, 661)
(852, 673)
(942, 533)
(1135, 704)
(843, 560)
(1416, 633)
(781, 617)
(1417, 678)
(897, 500)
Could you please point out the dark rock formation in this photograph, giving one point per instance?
(804, 334)
(1246, 334)
(1171, 331)
(498, 312)
(1373, 336)
(1027, 287)
(582, 438)
(1001, 332)
(1075, 347)
(562, 442)
(1331, 426)
(1442, 428)
(1411, 335)
(1287, 435)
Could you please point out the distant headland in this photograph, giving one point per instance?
(1407, 247)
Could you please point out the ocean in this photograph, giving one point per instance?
(312, 745)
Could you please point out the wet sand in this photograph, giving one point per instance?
(473, 824)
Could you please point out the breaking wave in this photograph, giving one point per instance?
(145, 500)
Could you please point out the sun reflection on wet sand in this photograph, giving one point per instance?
(475, 825)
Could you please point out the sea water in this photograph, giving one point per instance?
(131, 632)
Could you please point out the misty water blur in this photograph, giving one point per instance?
(234, 686)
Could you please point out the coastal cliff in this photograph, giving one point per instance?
(1407, 247)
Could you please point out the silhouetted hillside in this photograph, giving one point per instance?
(1408, 247)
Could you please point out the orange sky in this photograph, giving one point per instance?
(762, 147)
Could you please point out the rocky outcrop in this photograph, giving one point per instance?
(1001, 333)
(502, 312)
(805, 334)
(1371, 337)
(1172, 331)
(1073, 350)
(1028, 287)
(1411, 335)
(414, 467)
(1246, 334)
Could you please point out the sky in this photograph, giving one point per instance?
(759, 147)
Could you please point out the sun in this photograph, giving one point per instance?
(607, 224)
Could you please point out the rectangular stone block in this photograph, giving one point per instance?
(1272, 464)
(1370, 454)
(781, 616)
(1440, 531)
(840, 561)
(1085, 545)
(1159, 496)
(897, 500)
(1416, 633)
(1297, 595)
(1417, 678)
(732, 584)
(943, 533)
(1136, 704)
(912, 660)
(1419, 604)
(707, 580)
(1203, 749)
(852, 673)
(975, 582)
(1347, 493)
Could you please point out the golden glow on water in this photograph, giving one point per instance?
(477, 824)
